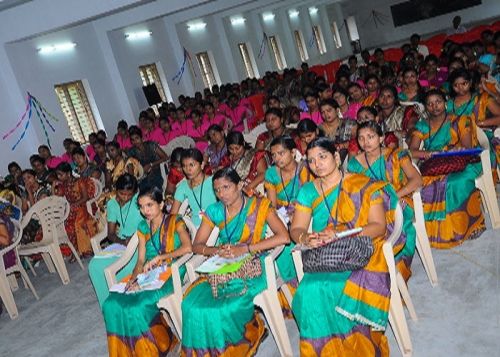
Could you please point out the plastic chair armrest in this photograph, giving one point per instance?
(110, 272)
(176, 276)
(191, 266)
(96, 240)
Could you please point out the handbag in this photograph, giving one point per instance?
(442, 165)
(221, 283)
(345, 254)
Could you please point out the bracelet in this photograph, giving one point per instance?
(300, 238)
(248, 249)
(203, 250)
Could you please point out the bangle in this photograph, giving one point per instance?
(203, 250)
(248, 249)
(300, 238)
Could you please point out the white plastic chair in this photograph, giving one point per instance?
(170, 303)
(423, 245)
(51, 213)
(397, 318)
(6, 286)
(97, 195)
(497, 135)
(251, 137)
(183, 141)
(266, 300)
(485, 182)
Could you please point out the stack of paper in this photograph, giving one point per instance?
(219, 265)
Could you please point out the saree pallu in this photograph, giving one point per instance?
(286, 193)
(134, 324)
(452, 204)
(388, 168)
(246, 166)
(227, 326)
(345, 313)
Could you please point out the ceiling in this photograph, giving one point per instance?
(7, 4)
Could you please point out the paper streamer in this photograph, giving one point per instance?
(25, 128)
(20, 121)
(37, 107)
(180, 73)
(43, 125)
(44, 110)
(263, 45)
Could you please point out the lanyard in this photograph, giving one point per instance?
(463, 110)
(126, 215)
(201, 193)
(288, 200)
(371, 169)
(236, 225)
(158, 249)
(238, 163)
(339, 188)
(431, 138)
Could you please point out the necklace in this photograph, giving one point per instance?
(432, 137)
(201, 195)
(371, 170)
(288, 200)
(158, 249)
(339, 188)
(126, 214)
(230, 236)
(238, 163)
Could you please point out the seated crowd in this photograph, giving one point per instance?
(332, 157)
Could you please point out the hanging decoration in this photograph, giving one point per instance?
(377, 17)
(263, 45)
(311, 41)
(180, 72)
(33, 105)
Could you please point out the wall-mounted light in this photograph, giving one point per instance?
(139, 35)
(268, 17)
(293, 13)
(60, 47)
(235, 21)
(313, 10)
(195, 26)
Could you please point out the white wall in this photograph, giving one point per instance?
(373, 36)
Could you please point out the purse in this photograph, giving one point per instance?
(222, 285)
(345, 254)
(442, 165)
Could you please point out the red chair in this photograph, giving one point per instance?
(435, 40)
(319, 69)
(393, 54)
(330, 70)
(257, 101)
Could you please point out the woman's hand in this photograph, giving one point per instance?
(147, 168)
(153, 263)
(318, 239)
(231, 251)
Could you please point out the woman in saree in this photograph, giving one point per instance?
(411, 91)
(282, 182)
(250, 164)
(372, 87)
(80, 226)
(117, 165)
(275, 124)
(134, 324)
(307, 131)
(481, 108)
(197, 186)
(393, 166)
(228, 325)
(217, 148)
(350, 308)
(452, 204)
(123, 217)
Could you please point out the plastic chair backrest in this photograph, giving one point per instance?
(16, 239)
(482, 138)
(398, 225)
(51, 213)
(183, 141)
(252, 136)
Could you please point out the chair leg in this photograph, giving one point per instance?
(269, 303)
(288, 294)
(403, 289)
(56, 255)
(399, 326)
(30, 266)
(425, 253)
(13, 282)
(171, 305)
(49, 262)
(7, 297)
(485, 184)
(27, 280)
(75, 253)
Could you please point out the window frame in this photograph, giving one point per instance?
(204, 62)
(247, 60)
(301, 46)
(318, 38)
(275, 46)
(150, 75)
(336, 35)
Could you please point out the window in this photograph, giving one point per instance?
(247, 60)
(336, 35)
(149, 75)
(318, 37)
(206, 69)
(77, 110)
(299, 42)
(276, 48)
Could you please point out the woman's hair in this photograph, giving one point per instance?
(113, 144)
(153, 192)
(274, 111)
(459, 73)
(122, 124)
(341, 91)
(78, 151)
(372, 125)
(215, 127)
(37, 158)
(29, 172)
(432, 92)
(135, 130)
(366, 108)
(409, 69)
(196, 112)
(192, 153)
(306, 126)
(285, 140)
(228, 173)
(236, 138)
(126, 182)
(392, 89)
(323, 143)
(330, 102)
(64, 167)
(372, 76)
(176, 156)
(354, 84)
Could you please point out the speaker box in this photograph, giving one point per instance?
(152, 94)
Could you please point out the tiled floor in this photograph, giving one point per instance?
(459, 317)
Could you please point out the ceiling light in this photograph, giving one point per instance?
(268, 17)
(313, 10)
(293, 13)
(197, 26)
(60, 47)
(139, 35)
(238, 21)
